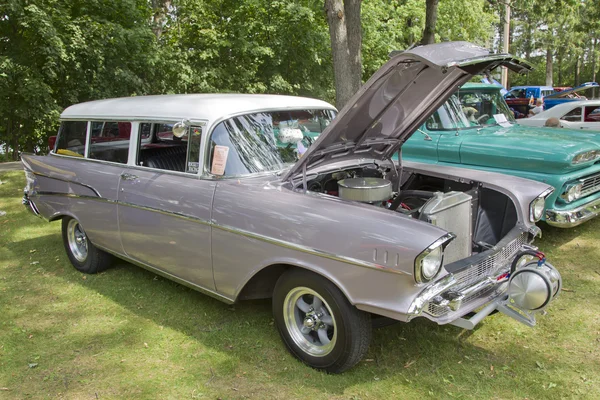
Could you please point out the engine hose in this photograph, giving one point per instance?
(409, 193)
(537, 254)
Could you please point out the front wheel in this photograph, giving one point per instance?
(318, 324)
(84, 256)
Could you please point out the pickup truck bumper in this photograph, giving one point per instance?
(574, 217)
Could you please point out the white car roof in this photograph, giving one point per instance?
(559, 109)
(188, 106)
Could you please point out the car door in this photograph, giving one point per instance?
(573, 117)
(164, 215)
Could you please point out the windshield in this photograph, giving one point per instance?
(264, 142)
(470, 109)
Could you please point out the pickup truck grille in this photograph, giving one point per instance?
(591, 184)
(476, 272)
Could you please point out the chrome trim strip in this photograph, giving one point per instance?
(169, 213)
(73, 195)
(167, 275)
(277, 242)
(66, 180)
(573, 217)
(308, 250)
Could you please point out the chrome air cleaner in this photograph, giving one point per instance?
(366, 190)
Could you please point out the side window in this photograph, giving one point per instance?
(573, 115)
(592, 114)
(109, 141)
(71, 138)
(547, 93)
(160, 148)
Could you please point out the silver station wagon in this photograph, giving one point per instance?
(260, 196)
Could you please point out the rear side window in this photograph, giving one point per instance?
(573, 115)
(592, 114)
(160, 148)
(109, 141)
(71, 138)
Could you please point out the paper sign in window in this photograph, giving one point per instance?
(219, 160)
(501, 120)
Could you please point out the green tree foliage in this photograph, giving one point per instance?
(55, 53)
(259, 46)
(569, 30)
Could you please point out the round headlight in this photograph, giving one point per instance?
(537, 209)
(431, 263)
(572, 193)
(428, 264)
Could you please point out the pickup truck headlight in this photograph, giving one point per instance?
(429, 263)
(585, 156)
(572, 192)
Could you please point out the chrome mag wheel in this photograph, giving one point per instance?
(309, 321)
(77, 239)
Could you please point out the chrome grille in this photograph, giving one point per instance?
(591, 184)
(490, 265)
(476, 272)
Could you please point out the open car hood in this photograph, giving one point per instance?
(566, 93)
(397, 99)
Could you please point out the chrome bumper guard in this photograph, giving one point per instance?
(571, 218)
(30, 205)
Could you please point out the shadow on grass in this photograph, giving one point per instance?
(423, 353)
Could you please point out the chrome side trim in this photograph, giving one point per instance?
(167, 275)
(73, 195)
(169, 213)
(67, 180)
(277, 242)
(574, 217)
(307, 250)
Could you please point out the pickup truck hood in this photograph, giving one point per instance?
(546, 150)
(397, 99)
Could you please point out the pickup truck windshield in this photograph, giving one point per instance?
(470, 109)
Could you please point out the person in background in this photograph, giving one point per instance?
(539, 107)
(553, 122)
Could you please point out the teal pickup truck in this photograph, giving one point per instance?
(476, 129)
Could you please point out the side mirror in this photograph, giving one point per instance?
(180, 128)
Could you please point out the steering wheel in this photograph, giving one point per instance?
(482, 118)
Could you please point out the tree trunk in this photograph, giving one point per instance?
(159, 17)
(346, 39)
(431, 7)
(549, 67)
(354, 32)
(577, 70)
(594, 43)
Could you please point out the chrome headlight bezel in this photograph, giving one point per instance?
(429, 262)
(538, 205)
(585, 156)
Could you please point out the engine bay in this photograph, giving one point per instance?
(479, 217)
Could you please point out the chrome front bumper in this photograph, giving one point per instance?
(447, 301)
(574, 217)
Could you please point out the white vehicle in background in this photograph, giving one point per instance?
(583, 114)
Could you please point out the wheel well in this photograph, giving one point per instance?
(57, 217)
(261, 285)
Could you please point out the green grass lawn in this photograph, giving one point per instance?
(127, 333)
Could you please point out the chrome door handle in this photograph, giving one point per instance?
(128, 177)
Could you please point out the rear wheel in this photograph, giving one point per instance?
(318, 324)
(84, 256)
